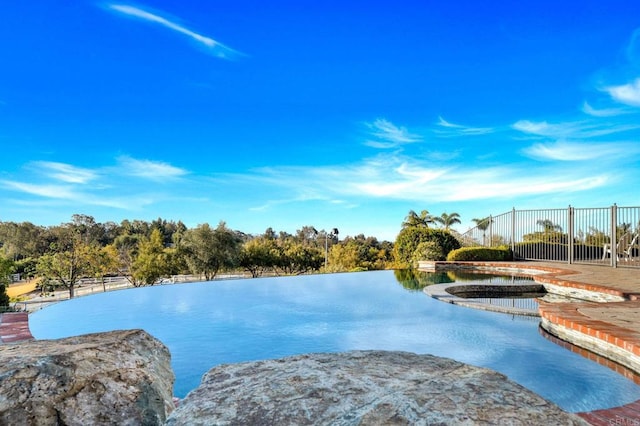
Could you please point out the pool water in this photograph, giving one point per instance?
(211, 323)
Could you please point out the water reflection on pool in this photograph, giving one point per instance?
(206, 324)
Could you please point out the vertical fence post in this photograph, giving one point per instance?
(614, 235)
(490, 231)
(570, 232)
(513, 231)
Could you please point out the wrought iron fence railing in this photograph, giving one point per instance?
(601, 236)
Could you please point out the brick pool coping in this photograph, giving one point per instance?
(14, 327)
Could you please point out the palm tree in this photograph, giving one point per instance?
(447, 220)
(413, 220)
(483, 224)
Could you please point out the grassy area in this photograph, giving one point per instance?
(23, 288)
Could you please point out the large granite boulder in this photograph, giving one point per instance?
(362, 388)
(119, 377)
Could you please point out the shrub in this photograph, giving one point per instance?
(542, 250)
(547, 237)
(428, 250)
(480, 254)
(409, 239)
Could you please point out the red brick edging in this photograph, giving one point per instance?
(14, 327)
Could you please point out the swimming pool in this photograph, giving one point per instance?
(211, 323)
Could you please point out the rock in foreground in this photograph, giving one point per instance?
(119, 377)
(362, 387)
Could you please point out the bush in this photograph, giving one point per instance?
(409, 240)
(428, 250)
(542, 250)
(547, 237)
(482, 254)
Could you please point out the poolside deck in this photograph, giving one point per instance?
(613, 324)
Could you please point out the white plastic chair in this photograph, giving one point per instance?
(628, 249)
(622, 245)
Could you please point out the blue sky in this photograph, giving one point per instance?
(333, 114)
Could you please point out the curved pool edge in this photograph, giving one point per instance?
(593, 331)
(447, 293)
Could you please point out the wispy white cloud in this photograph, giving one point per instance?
(403, 178)
(428, 184)
(212, 46)
(65, 172)
(388, 135)
(572, 130)
(520, 185)
(448, 129)
(270, 204)
(153, 170)
(392, 177)
(53, 183)
(603, 112)
(76, 197)
(573, 151)
(628, 94)
(43, 190)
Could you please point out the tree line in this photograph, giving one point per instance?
(146, 252)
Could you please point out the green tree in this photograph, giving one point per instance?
(6, 268)
(22, 240)
(104, 261)
(409, 240)
(428, 250)
(414, 220)
(552, 233)
(27, 267)
(176, 261)
(168, 229)
(345, 256)
(89, 230)
(208, 251)
(483, 224)
(360, 253)
(308, 236)
(151, 262)
(447, 220)
(295, 258)
(67, 262)
(258, 255)
(127, 246)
